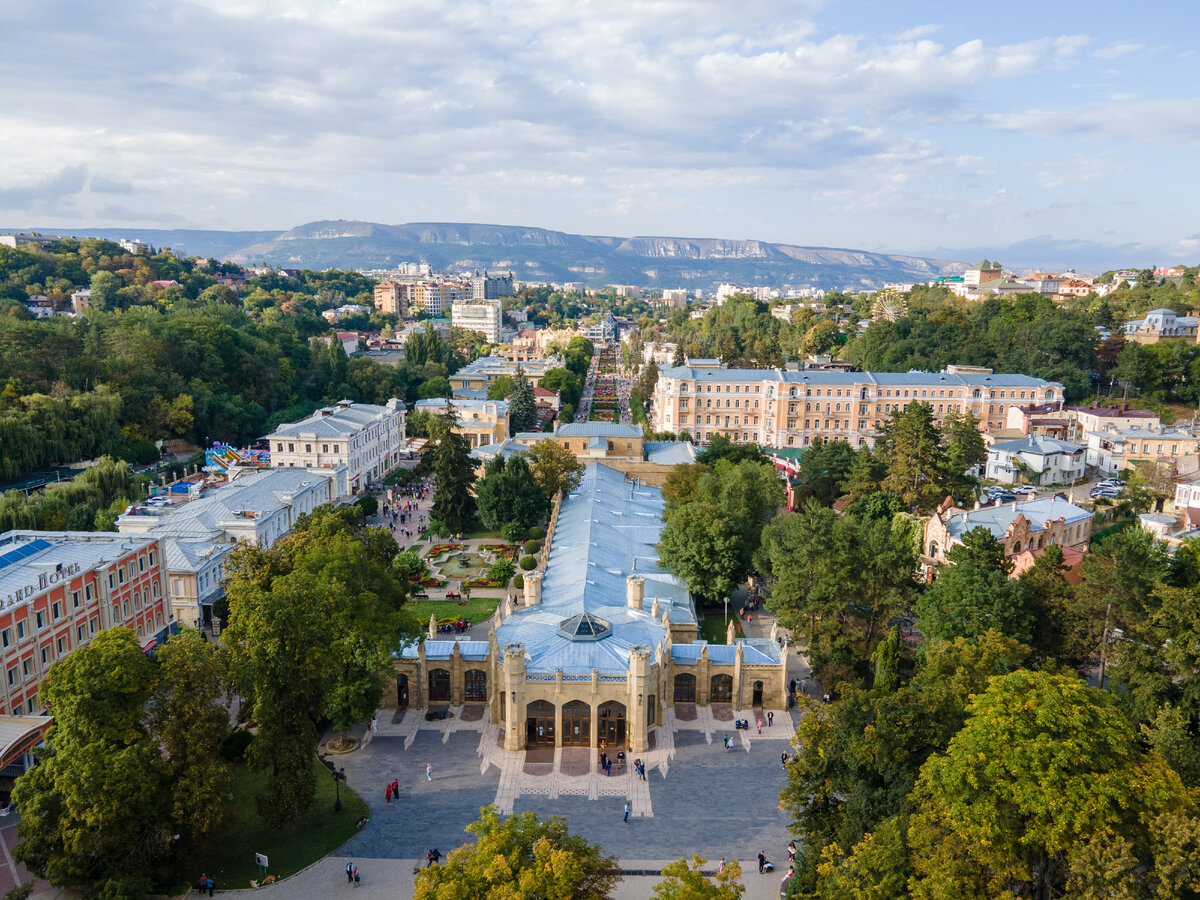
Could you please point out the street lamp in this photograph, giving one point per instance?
(338, 775)
(727, 613)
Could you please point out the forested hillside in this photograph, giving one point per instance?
(191, 359)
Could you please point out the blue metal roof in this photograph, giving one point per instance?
(997, 518)
(607, 529)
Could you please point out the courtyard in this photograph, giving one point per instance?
(698, 797)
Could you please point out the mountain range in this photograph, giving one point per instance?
(540, 254)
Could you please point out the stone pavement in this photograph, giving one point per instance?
(698, 797)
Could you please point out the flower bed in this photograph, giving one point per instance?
(428, 582)
(503, 551)
(439, 549)
(484, 583)
(602, 415)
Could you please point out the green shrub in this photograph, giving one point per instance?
(528, 562)
(519, 581)
(368, 504)
(535, 533)
(532, 547)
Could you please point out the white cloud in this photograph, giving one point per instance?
(1119, 48)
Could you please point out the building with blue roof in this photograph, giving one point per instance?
(602, 641)
(1019, 526)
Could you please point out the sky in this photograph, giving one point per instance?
(1053, 131)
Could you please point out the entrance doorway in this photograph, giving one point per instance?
(439, 685)
(722, 689)
(539, 724)
(757, 694)
(685, 688)
(402, 692)
(611, 722)
(577, 724)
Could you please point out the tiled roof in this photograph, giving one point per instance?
(333, 422)
(1042, 446)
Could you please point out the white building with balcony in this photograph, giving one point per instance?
(1036, 460)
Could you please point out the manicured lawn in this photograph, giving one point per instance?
(480, 532)
(229, 857)
(476, 609)
(712, 629)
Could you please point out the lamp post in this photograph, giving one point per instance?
(726, 613)
(338, 775)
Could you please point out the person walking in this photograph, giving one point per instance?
(396, 789)
(350, 872)
(721, 866)
(762, 861)
(356, 876)
(429, 771)
(387, 794)
(770, 717)
(758, 721)
(628, 810)
(791, 851)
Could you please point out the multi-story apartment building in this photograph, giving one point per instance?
(367, 439)
(392, 297)
(491, 287)
(789, 409)
(484, 316)
(59, 589)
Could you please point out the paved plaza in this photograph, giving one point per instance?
(697, 797)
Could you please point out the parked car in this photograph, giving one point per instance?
(1025, 490)
(1003, 498)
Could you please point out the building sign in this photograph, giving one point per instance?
(44, 581)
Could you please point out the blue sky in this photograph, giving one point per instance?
(1052, 133)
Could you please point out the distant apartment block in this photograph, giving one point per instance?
(484, 316)
(391, 297)
(491, 287)
(675, 297)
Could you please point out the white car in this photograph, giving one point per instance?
(1025, 490)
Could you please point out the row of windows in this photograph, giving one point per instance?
(291, 448)
(865, 392)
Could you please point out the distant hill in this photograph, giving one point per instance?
(539, 254)
(186, 242)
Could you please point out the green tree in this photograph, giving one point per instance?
(824, 466)
(965, 452)
(96, 807)
(710, 539)
(190, 719)
(453, 506)
(974, 594)
(858, 759)
(500, 388)
(508, 494)
(1045, 778)
(522, 410)
(685, 881)
(567, 383)
(518, 857)
(915, 457)
(554, 467)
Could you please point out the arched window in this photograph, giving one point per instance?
(439, 685)
(722, 689)
(475, 684)
(685, 688)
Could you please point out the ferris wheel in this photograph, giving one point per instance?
(889, 305)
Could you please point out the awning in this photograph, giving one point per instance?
(20, 733)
